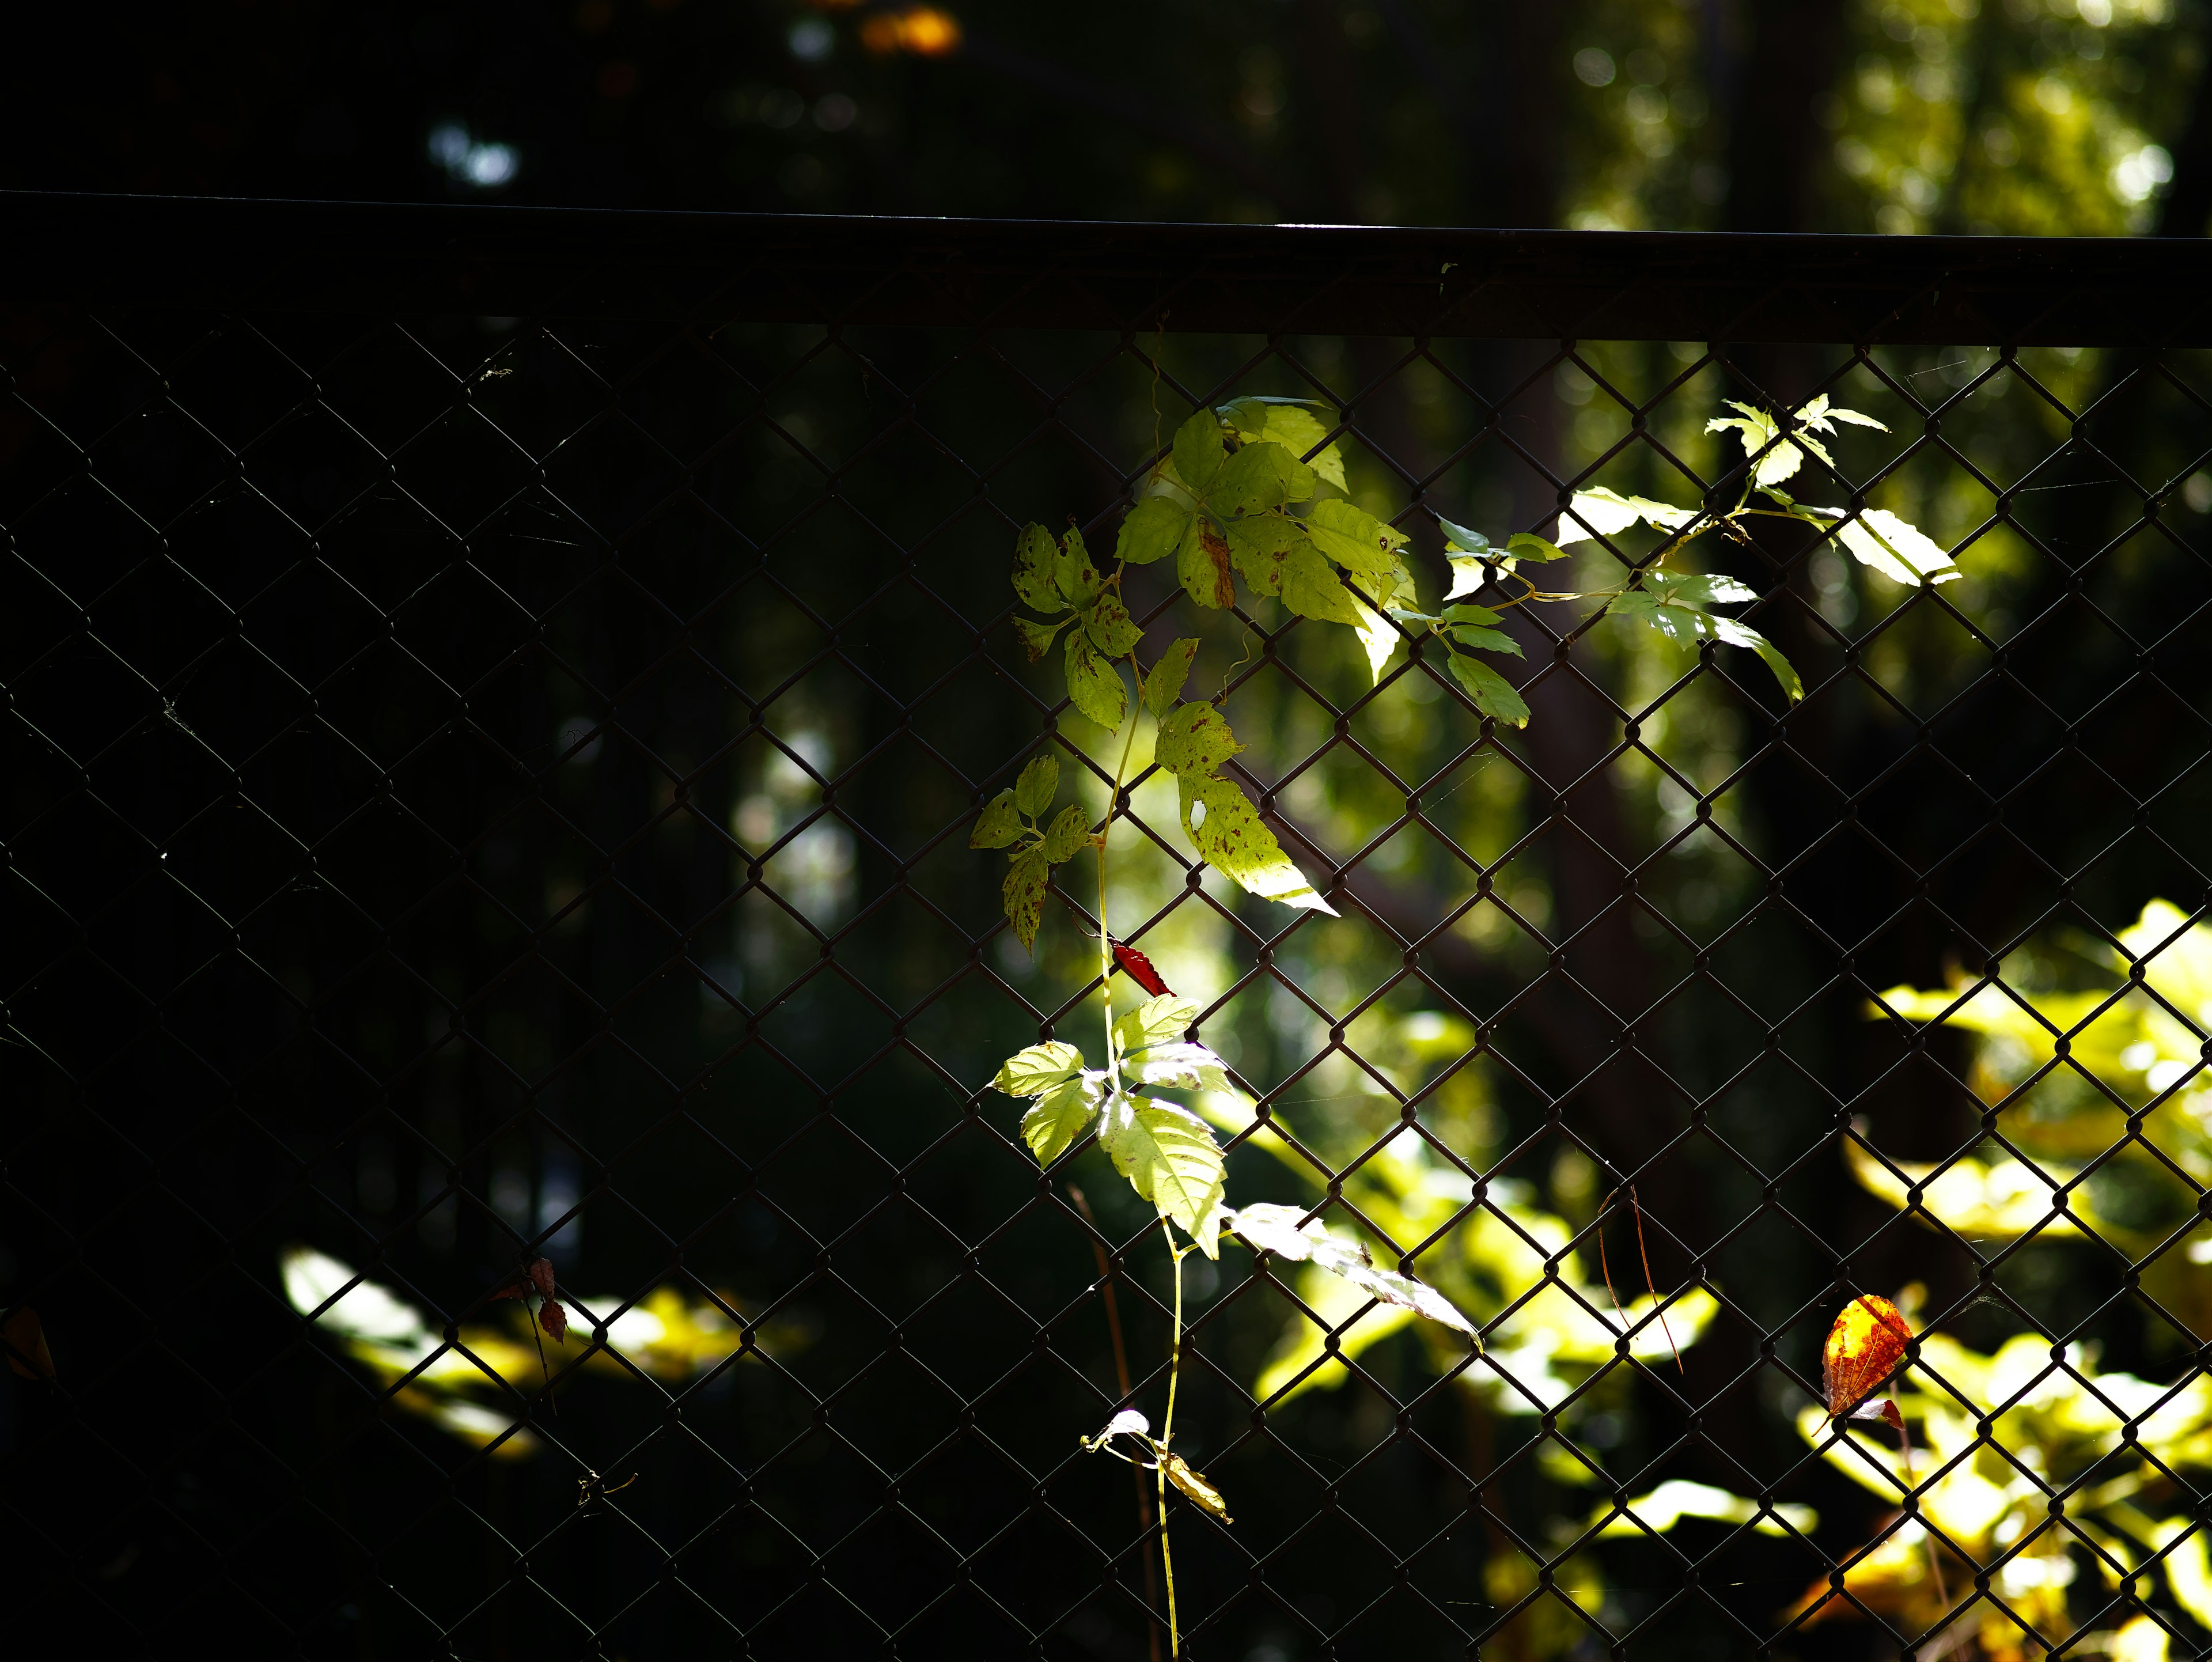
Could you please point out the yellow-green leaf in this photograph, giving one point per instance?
(1111, 629)
(1034, 554)
(1170, 1158)
(1039, 1068)
(999, 822)
(1198, 451)
(1194, 740)
(1073, 574)
(1153, 531)
(1023, 894)
(1060, 1117)
(1355, 539)
(1068, 835)
(1202, 563)
(1038, 784)
(1164, 684)
(1231, 837)
(1094, 684)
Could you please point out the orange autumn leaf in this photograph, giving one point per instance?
(1863, 1350)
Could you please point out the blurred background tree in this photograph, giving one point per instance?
(2062, 116)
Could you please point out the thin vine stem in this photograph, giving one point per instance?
(1166, 1437)
(1105, 831)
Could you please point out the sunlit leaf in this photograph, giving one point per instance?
(1170, 1158)
(1259, 476)
(1197, 1487)
(1291, 423)
(1675, 608)
(1039, 1068)
(1679, 1498)
(1898, 550)
(1060, 1116)
(1356, 539)
(1863, 1348)
(1198, 451)
(1276, 1229)
(1232, 838)
(1602, 511)
(1195, 739)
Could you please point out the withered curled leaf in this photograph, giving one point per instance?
(1194, 1485)
(1863, 1348)
(541, 1276)
(554, 1320)
(26, 1337)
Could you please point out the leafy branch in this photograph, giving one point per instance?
(1224, 504)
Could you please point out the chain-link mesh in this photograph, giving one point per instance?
(494, 786)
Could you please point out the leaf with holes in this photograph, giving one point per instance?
(1356, 539)
(1073, 574)
(1023, 894)
(1231, 837)
(1034, 554)
(1108, 623)
(1170, 1158)
(1194, 740)
(1067, 836)
(999, 822)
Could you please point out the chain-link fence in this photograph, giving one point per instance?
(498, 702)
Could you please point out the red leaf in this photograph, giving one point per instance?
(25, 1339)
(541, 1276)
(1139, 969)
(1863, 1348)
(512, 1290)
(554, 1320)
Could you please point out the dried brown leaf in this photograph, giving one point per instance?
(1194, 1485)
(554, 1320)
(541, 1276)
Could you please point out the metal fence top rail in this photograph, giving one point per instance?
(396, 259)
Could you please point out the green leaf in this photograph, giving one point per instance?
(1378, 637)
(1257, 477)
(1170, 1158)
(1111, 629)
(1023, 894)
(1164, 684)
(1235, 842)
(1355, 539)
(1602, 511)
(1898, 550)
(1272, 1228)
(1697, 589)
(1198, 451)
(1061, 1115)
(1292, 425)
(1073, 574)
(1526, 545)
(1676, 610)
(999, 822)
(1486, 640)
(1153, 531)
(1034, 554)
(1758, 430)
(1311, 588)
(1037, 638)
(1068, 835)
(1262, 545)
(1038, 784)
(1034, 1071)
(1493, 695)
(1094, 684)
(1202, 563)
(1466, 541)
(1161, 1020)
(1472, 614)
(1194, 740)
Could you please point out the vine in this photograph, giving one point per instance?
(1220, 504)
